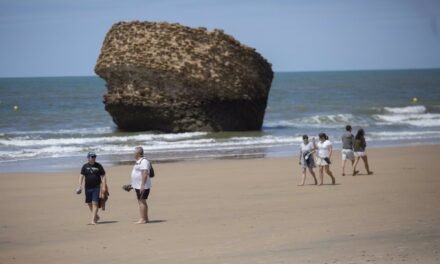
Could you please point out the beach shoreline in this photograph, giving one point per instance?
(233, 211)
(67, 164)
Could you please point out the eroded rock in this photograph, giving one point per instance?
(173, 78)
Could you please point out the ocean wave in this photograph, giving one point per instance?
(143, 138)
(414, 109)
(76, 131)
(318, 121)
(401, 135)
(417, 120)
(155, 146)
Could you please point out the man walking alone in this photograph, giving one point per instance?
(141, 182)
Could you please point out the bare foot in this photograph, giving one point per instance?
(355, 172)
(93, 223)
(141, 221)
(370, 172)
(333, 180)
(97, 218)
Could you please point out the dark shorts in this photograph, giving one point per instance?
(92, 195)
(144, 195)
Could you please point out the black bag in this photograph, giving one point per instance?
(151, 171)
(328, 161)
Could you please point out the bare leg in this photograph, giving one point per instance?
(91, 211)
(94, 209)
(303, 179)
(329, 173)
(321, 175)
(354, 166)
(143, 211)
(367, 167)
(343, 167)
(313, 174)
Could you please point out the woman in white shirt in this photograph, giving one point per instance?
(325, 150)
(306, 160)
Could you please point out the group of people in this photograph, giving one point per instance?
(95, 184)
(353, 149)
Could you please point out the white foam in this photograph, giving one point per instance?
(326, 119)
(399, 135)
(415, 109)
(36, 141)
(77, 131)
(318, 121)
(188, 145)
(418, 120)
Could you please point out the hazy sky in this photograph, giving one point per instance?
(63, 38)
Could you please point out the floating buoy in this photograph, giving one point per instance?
(414, 99)
(15, 108)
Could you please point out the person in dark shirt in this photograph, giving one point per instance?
(94, 175)
(347, 148)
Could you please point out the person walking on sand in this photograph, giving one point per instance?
(141, 182)
(325, 150)
(359, 148)
(306, 160)
(94, 175)
(347, 148)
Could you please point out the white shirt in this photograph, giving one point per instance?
(323, 148)
(304, 148)
(136, 174)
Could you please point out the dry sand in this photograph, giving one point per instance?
(233, 211)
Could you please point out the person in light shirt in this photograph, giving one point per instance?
(141, 182)
(325, 150)
(306, 160)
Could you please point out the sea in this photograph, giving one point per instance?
(49, 124)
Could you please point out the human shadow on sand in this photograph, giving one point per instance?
(363, 174)
(107, 222)
(156, 221)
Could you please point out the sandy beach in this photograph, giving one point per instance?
(233, 211)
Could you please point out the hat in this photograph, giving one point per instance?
(91, 154)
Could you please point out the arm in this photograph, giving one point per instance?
(300, 154)
(80, 182)
(330, 150)
(352, 142)
(145, 173)
(103, 178)
(103, 182)
(144, 180)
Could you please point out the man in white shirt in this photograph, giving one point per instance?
(141, 182)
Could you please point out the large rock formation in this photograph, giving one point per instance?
(173, 78)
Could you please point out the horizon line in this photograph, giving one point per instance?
(275, 71)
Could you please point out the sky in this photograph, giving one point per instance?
(64, 38)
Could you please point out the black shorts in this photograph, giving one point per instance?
(144, 195)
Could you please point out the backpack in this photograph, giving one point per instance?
(151, 170)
